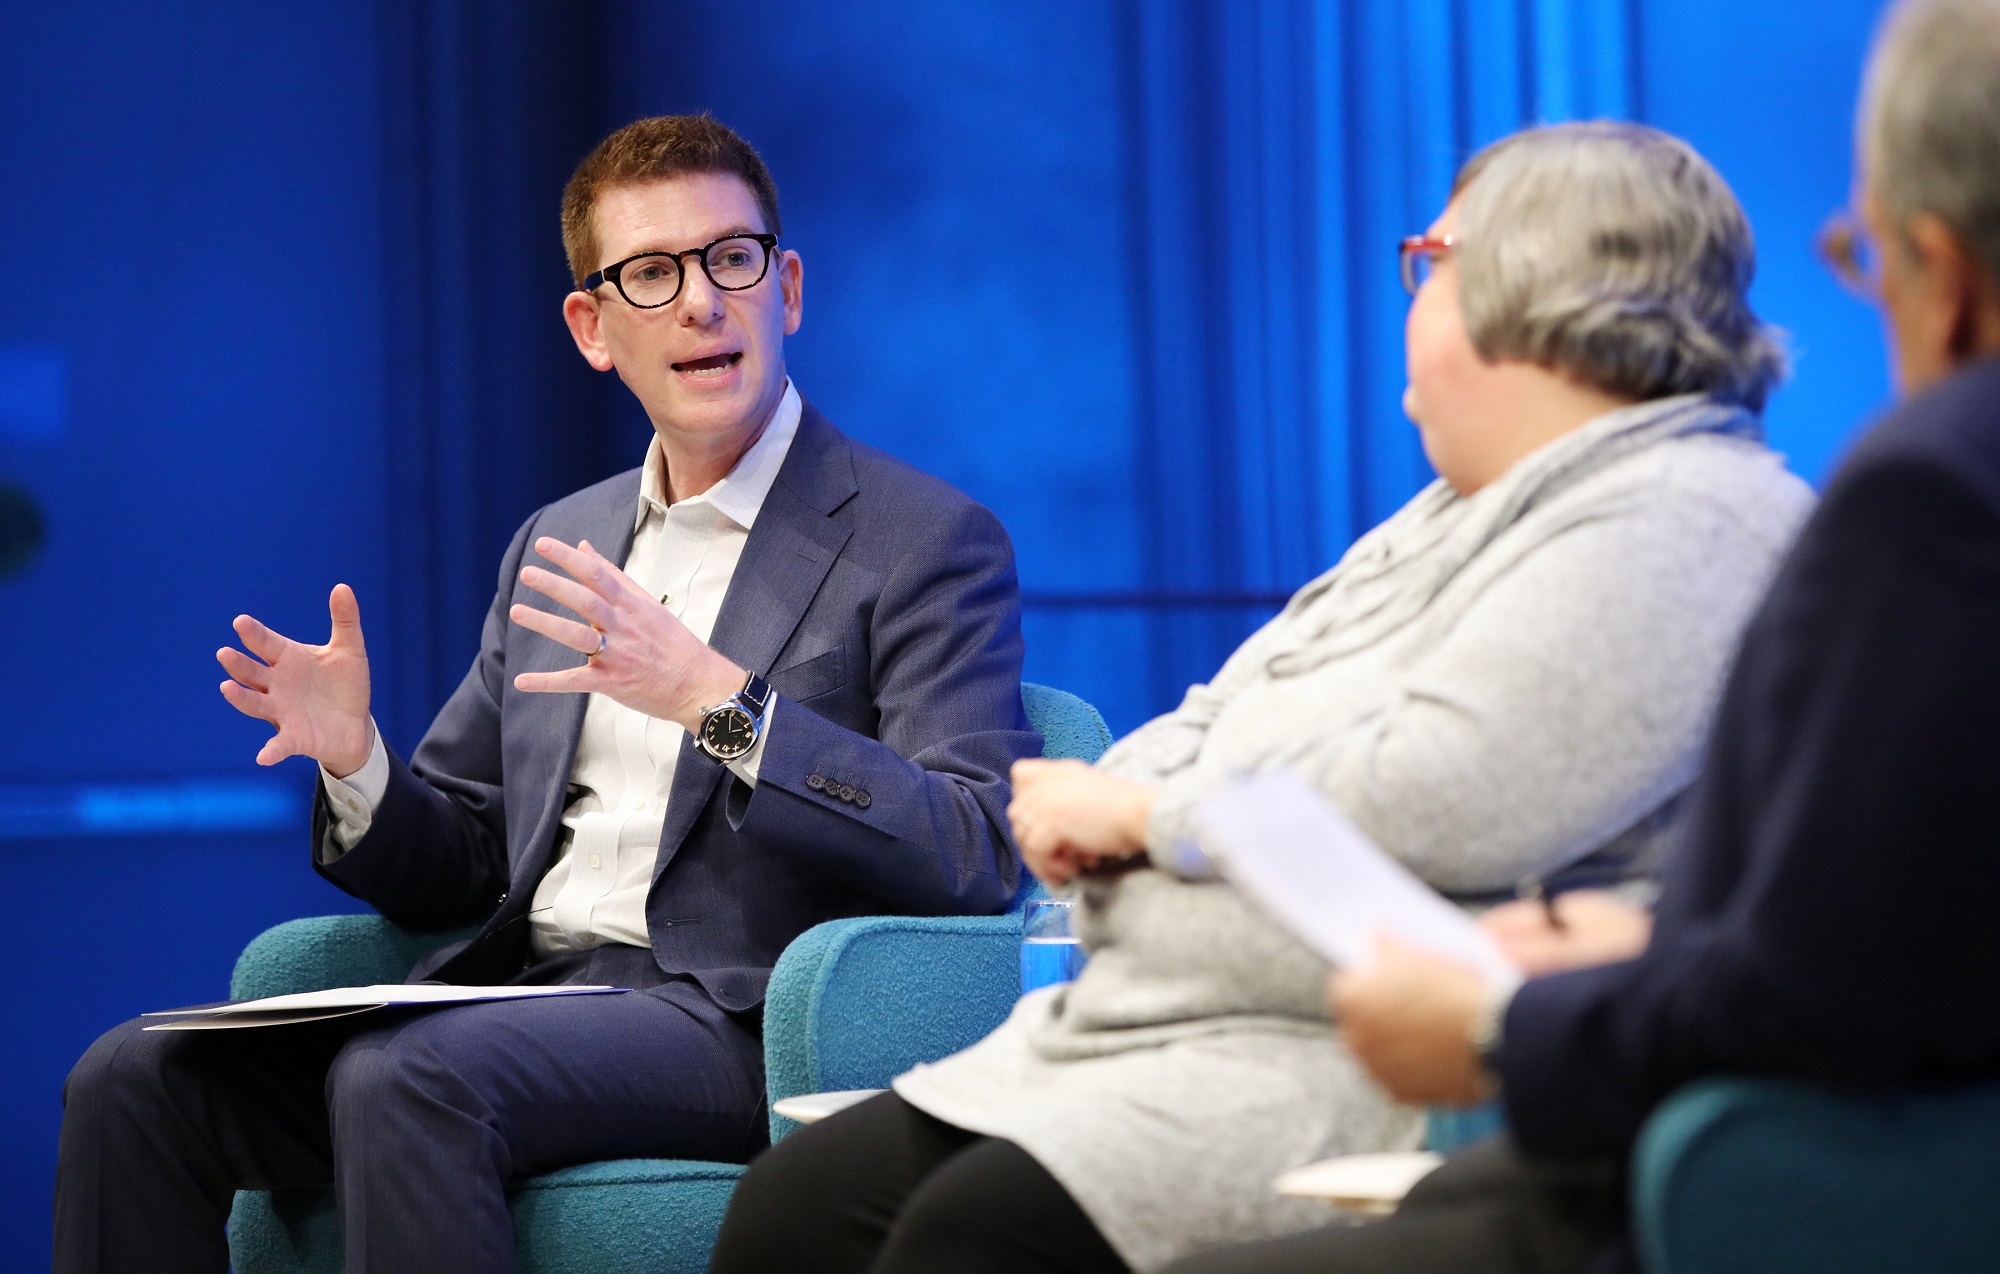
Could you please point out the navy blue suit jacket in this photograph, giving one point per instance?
(1835, 914)
(881, 604)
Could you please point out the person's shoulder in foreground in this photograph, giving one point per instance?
(1951, 429)
(1834, 865)
(1831, 918)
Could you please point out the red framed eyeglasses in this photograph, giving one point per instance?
(1419, 254)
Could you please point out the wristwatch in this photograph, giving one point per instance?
(729, 729)
(1484, 1036)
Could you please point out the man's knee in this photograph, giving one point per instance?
(385, 1072)
(125, 1060)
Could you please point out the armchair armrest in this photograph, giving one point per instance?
(328, 951)
(1069, 726)
(1759, 1175)
(854, 1003)
(1447, 1128)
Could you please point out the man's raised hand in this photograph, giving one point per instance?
(317, 696)
(635, 651)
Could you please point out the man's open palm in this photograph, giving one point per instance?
(317, 696)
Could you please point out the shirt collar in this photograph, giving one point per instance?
(740, 495)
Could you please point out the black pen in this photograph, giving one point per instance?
(1530, 890)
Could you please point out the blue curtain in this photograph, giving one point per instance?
(1280, 149)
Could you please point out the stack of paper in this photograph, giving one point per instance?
(1322, 878)
(314, 1006)
(810, 1108)
(1373, 1184)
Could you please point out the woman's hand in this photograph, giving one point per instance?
(1596, 928)
(1069, 816)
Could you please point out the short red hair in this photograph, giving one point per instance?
(652, 150)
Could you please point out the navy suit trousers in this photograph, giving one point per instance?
(418, 1119)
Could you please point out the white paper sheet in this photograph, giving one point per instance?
(1293, 851)
(1371, 1184)
(810, 1108)
(312, 1006)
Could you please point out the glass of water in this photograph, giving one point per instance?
(1050, 952)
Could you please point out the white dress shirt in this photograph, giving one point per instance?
(685, 554)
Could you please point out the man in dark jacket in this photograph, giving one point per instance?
(1831, 916)
(768, 679)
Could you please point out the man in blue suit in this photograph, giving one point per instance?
(1832, 916)
(769, 679)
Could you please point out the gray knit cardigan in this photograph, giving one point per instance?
(1515, 683)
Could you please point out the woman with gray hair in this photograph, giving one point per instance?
(1509, 678)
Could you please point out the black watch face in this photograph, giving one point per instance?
(728, 732)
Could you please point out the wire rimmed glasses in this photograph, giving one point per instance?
(1419, 255)
(648, 280)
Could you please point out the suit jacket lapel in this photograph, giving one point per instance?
(558, 724)
(791, 548)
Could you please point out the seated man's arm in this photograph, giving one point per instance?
(914, 816)
(435, 850)
(1833, 918)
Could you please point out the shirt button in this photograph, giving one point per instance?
(638, 805)
(595, 862)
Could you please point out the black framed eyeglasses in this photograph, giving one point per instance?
(648, 280)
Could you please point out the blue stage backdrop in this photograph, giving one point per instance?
(280, 309)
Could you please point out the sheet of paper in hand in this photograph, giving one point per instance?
(314, 1006)
(1293, 851)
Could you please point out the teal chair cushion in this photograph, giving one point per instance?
(1737, 1176)
(851, 1004)
(328, 951)
(854, 1003)
(1070, 728)
(647, 1216)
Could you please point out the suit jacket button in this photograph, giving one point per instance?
(862, 800)
(846, 793)
(815, 782)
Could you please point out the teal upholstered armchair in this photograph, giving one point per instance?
(1759, 1176)
(851, 1004)
(1741, 1176)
